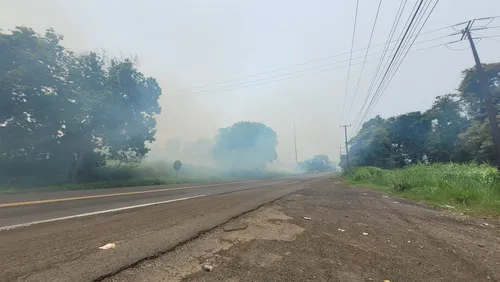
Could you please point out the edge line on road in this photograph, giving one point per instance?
(5, 228)
(35, 202)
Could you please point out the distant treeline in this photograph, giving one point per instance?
(317, 163)
(454, 129)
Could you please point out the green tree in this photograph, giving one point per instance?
(470, 93)
(455, 129)
(245, 145)
(409, 134)
(317, 163)
(392, 142)
(67, 113)
(448, 121)
(131, 107)
(372, 146)
(33, 100)
(476, 143)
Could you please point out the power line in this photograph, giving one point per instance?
(294, 65)
(446, 45)
(489, 37)
(203, 92)
(455, 50)
(413, 28)
(395, 23)
(399, 55)
(402, 59)
(297, 76)
(393, 57)
(406, 52)
(399, 59)
(400, 62)
(350, 58)
(364, 60)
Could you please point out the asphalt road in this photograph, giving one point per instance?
(352, 234)
(55, 236)
(22, 210)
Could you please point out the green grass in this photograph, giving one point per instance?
(105, 184)
(470, 188)
(160, 173)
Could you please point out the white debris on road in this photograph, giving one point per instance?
(108, 246)
(207, 267)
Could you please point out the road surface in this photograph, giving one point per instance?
(56, 236)
(332, 232)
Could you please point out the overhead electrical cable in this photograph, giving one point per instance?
(350, 58)
(364, 60)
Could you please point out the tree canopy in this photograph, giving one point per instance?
(454, 129)
(245, 145)
(66, 113)
(317, 163)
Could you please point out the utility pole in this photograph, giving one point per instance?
(295, 141)
(346, 147)
(340, 155)
(485, 88)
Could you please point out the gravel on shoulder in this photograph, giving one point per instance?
(332, 232)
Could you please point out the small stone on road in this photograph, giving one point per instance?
(234, 226)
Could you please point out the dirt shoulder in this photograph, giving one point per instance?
(353, 234)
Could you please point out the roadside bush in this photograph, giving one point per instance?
(367, 172)
(467, 186)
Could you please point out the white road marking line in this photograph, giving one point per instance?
(4, 228)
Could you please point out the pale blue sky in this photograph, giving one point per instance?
(188, 43)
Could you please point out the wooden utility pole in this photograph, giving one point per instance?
(346, 146)
(295, 141)
(485, 88)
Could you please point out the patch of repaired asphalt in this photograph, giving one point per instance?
(267, 223)
(353, 235)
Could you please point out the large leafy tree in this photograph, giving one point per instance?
(470, 92)
(317, 163)
(392, 142)
(32, 99)
(448, 121)
(409, 136)
(245, 145)
(476, 142)
(372, 146)
(65, 112)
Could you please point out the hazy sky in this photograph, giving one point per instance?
(185, 44)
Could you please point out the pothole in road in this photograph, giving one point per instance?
(266, 223)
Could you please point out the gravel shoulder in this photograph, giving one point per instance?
(331, 232)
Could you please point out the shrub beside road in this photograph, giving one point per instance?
(469, 188)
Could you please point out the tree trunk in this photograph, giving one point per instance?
(75, 166)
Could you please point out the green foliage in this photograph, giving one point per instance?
(468, 187)
(392, 142)
(365, 172)
(65, 114)
(454, 129)
(317, 163)
(470, 93)
(245, 146)
(448, 122)
(476, 143)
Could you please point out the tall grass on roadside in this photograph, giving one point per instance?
(144, 174)
(468, 187)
